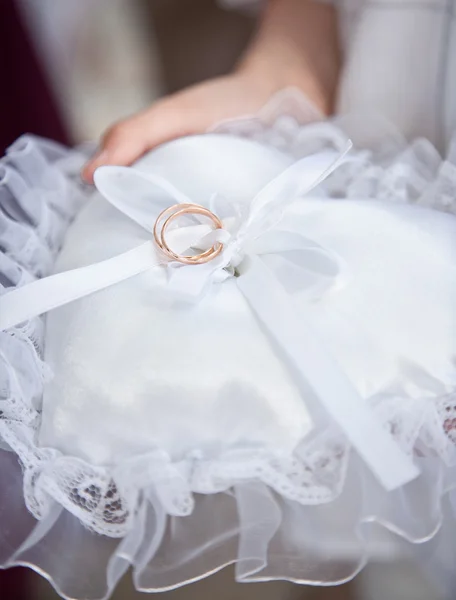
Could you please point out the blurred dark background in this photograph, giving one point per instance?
(71, 68)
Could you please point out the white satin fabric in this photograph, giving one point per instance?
(136, 374)
(196, 379)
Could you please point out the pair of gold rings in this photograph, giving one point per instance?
(172, 213)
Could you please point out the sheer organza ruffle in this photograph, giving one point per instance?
(312, 517)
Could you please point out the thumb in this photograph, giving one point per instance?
(128, 140)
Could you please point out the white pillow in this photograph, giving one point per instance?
(133, 374)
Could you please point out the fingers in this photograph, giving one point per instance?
(188, 112)
(128, 140)
(121, 145)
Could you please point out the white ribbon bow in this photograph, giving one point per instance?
(249, 229)
(271, 263)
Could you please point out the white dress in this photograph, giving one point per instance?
(399, 60)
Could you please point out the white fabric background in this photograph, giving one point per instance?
(400, 62)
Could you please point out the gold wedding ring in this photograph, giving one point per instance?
(165, 219)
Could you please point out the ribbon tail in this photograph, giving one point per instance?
(299, 263)
(302, 347)
(46, 294)
(295, 182)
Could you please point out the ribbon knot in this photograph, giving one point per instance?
(249, 229)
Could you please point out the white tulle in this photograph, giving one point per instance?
(298, 508)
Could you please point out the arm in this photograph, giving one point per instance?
(296, 45)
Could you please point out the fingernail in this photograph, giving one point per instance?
(97, 160)
(101, 157)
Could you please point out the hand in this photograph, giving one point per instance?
(192, 111)
(296, 45)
